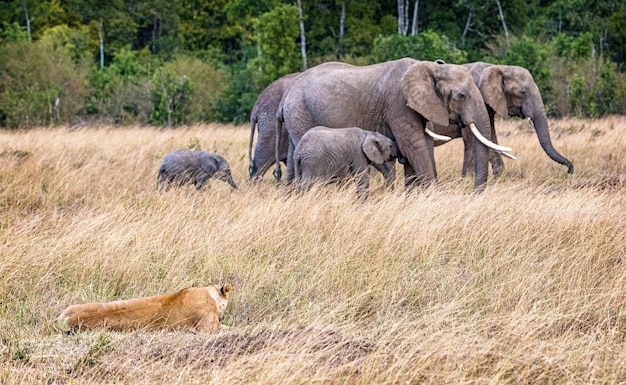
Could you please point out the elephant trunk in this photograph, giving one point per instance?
(540, 123)
(231, 181)
(481, 167)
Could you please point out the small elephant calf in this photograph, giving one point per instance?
(336, 153)
(182, 167)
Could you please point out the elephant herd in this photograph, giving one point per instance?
(335, 119)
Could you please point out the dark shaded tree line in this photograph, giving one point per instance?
(187, 61)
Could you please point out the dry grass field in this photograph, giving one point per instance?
(525, 283)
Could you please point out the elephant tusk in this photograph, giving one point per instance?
(486, 141)
(437, 136)
(530, 121)
(507, 155)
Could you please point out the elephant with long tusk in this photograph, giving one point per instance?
(395, 98)
(507, 91)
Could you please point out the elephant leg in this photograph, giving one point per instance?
(291, 174)
(363, 184)
(419, 154)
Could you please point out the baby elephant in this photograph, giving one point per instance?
(336, 153)
(185, 167)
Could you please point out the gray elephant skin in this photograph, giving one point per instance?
(507, 91)
(182, 167)
(394, 98)
(263, 120)
(335, 154)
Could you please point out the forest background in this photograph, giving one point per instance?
(180, 62)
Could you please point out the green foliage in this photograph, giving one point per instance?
(12, 32)
(74, 40)
(574, 48)
(237, 100)
(593, 89)
(254, 42)
(278, 55)
(40, 84)
(185, 91)
(427, 45)
(121, 92)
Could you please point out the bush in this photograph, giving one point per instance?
(121, 92)
(185, 91)
(278, 54)
(41, 84)
(426, 45)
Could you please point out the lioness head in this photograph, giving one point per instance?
(221, 298)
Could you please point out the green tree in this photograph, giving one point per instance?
(40, 84)
(276, 32)
(428, 45)
(185, 91)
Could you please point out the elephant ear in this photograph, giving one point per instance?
(373, 149)
(419, 85)
(492, 89)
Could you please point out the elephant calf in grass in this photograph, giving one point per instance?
(182, 167)
(334, 154)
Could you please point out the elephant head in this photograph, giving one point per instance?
(446, 94)
(379, 148)
(512, 91)
(222, 172)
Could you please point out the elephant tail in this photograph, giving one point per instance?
(253, 120)
(280, 118)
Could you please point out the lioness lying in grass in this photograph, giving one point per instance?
(194, 308)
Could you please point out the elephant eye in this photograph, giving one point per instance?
(461, 95)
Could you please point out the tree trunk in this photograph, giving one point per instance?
(468, 24)
(302, 37)
(506, 30)
(414, 26)
(101, 38)
(342, 21)
(403, 17)
(155, 29)
(27, 21)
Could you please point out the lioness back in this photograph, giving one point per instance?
(193, 308)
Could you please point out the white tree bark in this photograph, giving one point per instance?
(403, 17)
(414, 26)
(342, 22)
(468, 23)
(506, 30)
(101, 37)
(27, 20)
(302, 37)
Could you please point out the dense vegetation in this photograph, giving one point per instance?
(187, 61)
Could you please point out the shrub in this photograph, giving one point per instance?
(185, 91)
(121, 92)
(40, 84)
(427, 45)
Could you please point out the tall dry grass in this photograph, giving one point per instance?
(523, 283)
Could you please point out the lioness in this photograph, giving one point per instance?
(194, 308)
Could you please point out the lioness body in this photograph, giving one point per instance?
(195, 308)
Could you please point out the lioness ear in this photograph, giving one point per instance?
(225, 289)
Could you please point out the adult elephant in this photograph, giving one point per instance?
(263, 118)
(395, 98)
(507, 91)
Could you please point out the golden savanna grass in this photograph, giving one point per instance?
(525, 283)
